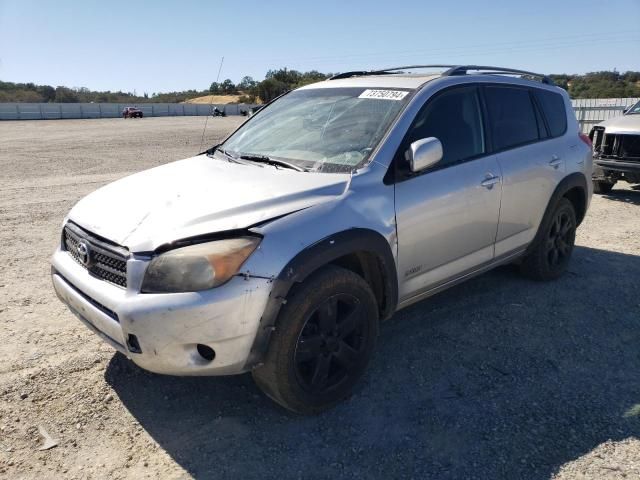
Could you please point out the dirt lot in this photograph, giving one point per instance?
(498, 378)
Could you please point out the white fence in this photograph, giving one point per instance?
(51, 111)
(591, 111)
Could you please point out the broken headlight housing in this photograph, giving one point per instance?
(198, 267)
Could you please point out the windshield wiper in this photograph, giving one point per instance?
(271, 161)
(230, 157)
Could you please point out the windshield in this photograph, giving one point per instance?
(634, 110)
(324, 129)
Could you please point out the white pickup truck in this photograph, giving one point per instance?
(616, 150)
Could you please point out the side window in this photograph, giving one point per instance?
(512, 117)
(554, 110)
(454, 118)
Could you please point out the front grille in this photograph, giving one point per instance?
(105, 261)
(619, 146)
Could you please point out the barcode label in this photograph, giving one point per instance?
(384, 94)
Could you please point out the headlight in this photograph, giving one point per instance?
(197, 267)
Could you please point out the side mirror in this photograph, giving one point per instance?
(424, 153)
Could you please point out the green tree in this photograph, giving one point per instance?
(270, 88)
(284, 75)
(66, 95)
(47, 92)
(247, 84)
(228, 87)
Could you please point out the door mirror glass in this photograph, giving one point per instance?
(424, 153)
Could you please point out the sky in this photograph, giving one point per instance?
(159, 46)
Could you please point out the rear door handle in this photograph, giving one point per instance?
(489, 181)
(555, 161)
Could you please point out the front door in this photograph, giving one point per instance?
(446, 217)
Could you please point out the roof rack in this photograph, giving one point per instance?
(463, 69)
(451, 71)
(358, 73)
(385, 71)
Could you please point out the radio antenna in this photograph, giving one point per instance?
(210, 102)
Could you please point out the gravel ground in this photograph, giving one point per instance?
(498, 378)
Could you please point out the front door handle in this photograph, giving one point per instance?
(555, 161)
(489, 181)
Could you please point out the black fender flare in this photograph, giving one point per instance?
(571, 181)
(313, 257)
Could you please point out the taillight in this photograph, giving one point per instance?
(585, 138)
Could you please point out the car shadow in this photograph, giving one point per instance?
(499, 377)
(630, 195)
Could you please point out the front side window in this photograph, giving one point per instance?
(324, 129)
(454, 118)
(511, 115)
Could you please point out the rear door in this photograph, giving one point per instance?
(532, 162)
(447, 216)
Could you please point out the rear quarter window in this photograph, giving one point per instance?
(554, 111)
(511, 115)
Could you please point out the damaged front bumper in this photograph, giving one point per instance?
(164, 333)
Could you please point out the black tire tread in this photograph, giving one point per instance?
(534, 264)
(273, 376)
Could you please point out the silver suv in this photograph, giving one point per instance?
(280, 250)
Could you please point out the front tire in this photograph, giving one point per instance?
(324, 338)
(550, 256)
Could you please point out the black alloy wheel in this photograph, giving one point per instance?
(330, 344)
(560, 240)
(548, 257)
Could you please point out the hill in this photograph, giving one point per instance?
(217, 99)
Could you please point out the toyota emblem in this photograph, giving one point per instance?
(84, 253)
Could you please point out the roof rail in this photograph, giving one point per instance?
(357, 73)
(384, 71)
(463, 70)
(451, 71)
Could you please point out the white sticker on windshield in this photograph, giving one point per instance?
(384, 94)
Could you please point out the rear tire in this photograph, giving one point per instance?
(602, 187)
(550, 256)
(324, 337)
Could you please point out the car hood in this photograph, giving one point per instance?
(623, 124)
(197, 196)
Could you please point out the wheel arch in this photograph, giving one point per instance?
(572, 187)
(363, 251)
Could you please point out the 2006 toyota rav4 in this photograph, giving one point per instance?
(280, 250)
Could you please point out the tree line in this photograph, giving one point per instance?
(600, 84)
(276, 82)
(605, 84)
(30, 92)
